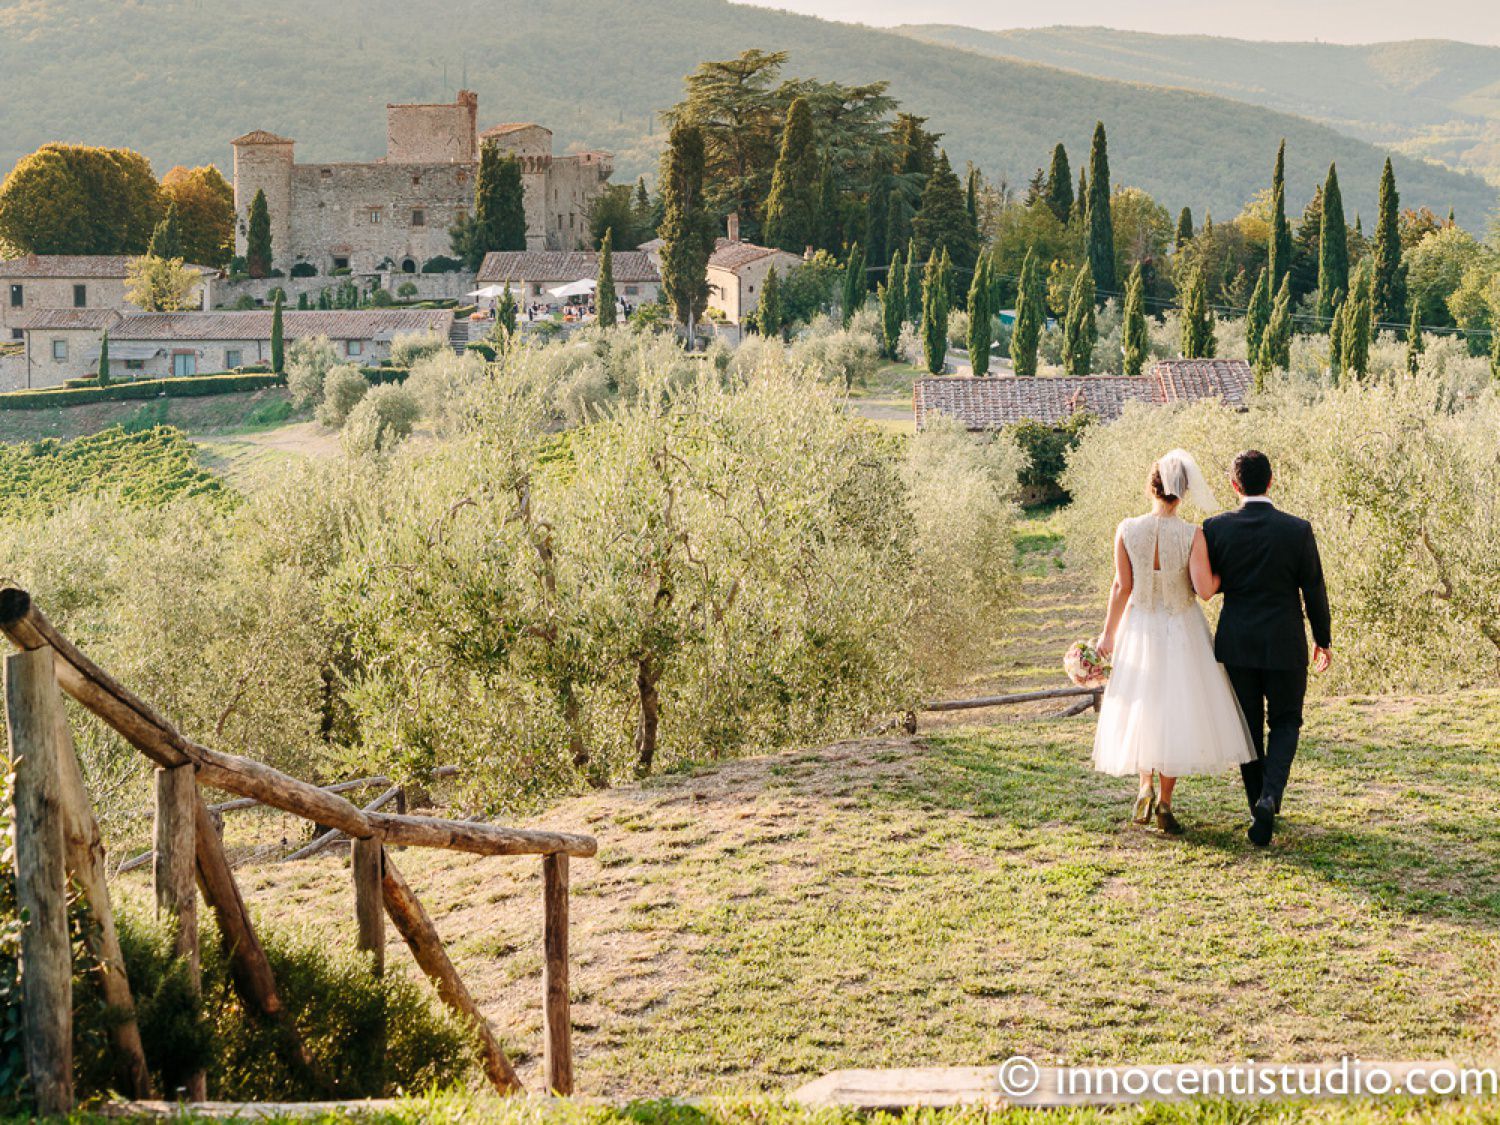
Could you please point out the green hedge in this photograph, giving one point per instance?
(379, 375)
(193, 386)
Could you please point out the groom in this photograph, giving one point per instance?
(1270, 575)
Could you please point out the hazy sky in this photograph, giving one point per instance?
(1341, 21)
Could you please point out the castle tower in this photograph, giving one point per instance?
(433, 134)
(263, 162)
(531, 144)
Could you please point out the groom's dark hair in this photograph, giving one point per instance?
(1252, 472)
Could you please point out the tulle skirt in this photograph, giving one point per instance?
(1168, 705)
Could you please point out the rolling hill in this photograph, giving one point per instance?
(177, 78)
(1432, 98)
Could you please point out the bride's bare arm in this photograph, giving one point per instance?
(1119, 594)
(1205, 581)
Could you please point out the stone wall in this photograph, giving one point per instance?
(433, 134)
(430, 286)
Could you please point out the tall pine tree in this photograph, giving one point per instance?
(166, 239)
(792, 206)
(687, 228)
(1136, 338)
(1059, 189)
(942, 222)
(935, 314)
(1197, 318)
(877, 219)
(604, 289)
(1389, 293)
(1333, 247)
(1031, 317)
(1081, 330)
(258, 237)
(1101, 227)
(1279, 249)
(1258, 316)
(979, 338)
(499, 202)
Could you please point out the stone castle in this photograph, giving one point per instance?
(394, 214)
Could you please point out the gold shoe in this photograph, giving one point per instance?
(1145, 804)
(1166, 822)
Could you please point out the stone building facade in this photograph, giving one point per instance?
(395, 213)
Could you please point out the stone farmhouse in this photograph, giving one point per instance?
(736, 272)
(62, 344)
(532, 276)
(994, 402)
(394, 214)
(72, 281)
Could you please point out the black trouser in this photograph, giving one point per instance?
(1274, 696)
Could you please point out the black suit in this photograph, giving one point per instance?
(1270, 575)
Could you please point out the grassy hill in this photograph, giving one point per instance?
(178, 78)
(1432, 98)
(974, 892)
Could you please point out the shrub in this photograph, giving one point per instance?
(845, 356)
(409, 349)
(244, 302)
(442, 264)
(309, 360)
(381, 298)
(381, 421)
(195, 386)
(1045, 449)
(304, 269)
(407, 290)
(340, 271)
(482, 349)
(343, 387)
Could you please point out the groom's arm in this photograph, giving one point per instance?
(1315, 592)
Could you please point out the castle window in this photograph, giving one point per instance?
(419, 218)
(374, 215)
(17, 296)
(354, 347)
(135, 365)
(416, 181)
(632, 290)
(408, 265)
(340, 262)
(233, 358)
(60, 350)
(184, 364)
(80, 296)
(18, 333)
(326, 173)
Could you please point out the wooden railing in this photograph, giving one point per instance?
(57, 837)
(1087, 698)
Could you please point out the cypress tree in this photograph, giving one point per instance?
(893, 307)
(506, 312)
(979, 319)
(1336, 330)
(507, 216)
(1101, 227)
(166, 239)
(827, 221)
(1495, 353)
(1390, 274)
(1197, 319)
(278, 339)
(1081, 331)
(1184, 228)
(103, 375)
(604, 289)
(1258, 316)
(258, 237)
(1333, 246)
(687, 229)
(1358, 318)
(1415, 345)
(854, 282)
(877, 220)
(1280, 248)
(1030, 318)
(302, 301)
(1136, 336)
(792, 206)
(769, 315)
(913, 289)
(1078, 217)
(1059, 190)
(935, 315)
(971, 199)
(1276, 345)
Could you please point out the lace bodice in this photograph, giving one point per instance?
(1169, 540)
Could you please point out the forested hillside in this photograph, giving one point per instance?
(1432, 98)
(597, 74)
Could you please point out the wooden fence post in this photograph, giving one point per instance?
(366, 861)
(557, 1023)
(31, 700)
(83, 847)
(175, 876)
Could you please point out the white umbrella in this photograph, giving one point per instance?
(574, 289)
(489, 291)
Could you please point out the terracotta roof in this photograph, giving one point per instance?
(990, 403)
(512, 127)
(541, 266)
(261, 137)
(736, 255)
(53, 319)
(73, 265)
(347, 324)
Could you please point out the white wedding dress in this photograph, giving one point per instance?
(1168, 705)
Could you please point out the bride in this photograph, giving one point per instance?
(1168, 709)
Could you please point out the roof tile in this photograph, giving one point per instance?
(630, 266)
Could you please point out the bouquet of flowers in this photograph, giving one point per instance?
(1084, 665)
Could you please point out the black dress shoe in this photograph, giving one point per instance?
(1264, 815)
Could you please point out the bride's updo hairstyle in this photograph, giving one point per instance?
(1158, 489)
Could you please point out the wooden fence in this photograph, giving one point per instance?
(1087, 698)
(57, 838)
